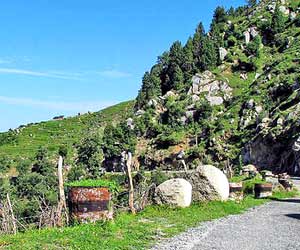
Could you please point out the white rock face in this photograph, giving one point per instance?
(217, 180)
(174, 192)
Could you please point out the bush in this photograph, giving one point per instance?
(169, 138)
(158, 177)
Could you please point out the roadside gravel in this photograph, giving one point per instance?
(274, 226)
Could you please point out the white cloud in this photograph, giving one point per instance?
(114, 74)
(57, 105)
(49, 74)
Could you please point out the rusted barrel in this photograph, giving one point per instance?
(90, 204)
(236, 191)
(263, 190)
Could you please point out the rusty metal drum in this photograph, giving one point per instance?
(236, 191)
(90, 204)
(263, 190)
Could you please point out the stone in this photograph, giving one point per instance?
(284, 10)
(152, 103)
(129, 123)
(196, 79)
(285, 180)
(249, 170)
(139, 112)
(258, 109)
(195, 88)
(169, 94)
(222, 53)
(253, 32)
(195, 98)
(190, 113)
(247, 36)
(244, 76)
(215, 100)
(296, 146)
(257, 75)
(174, 192)
(209, 183)
(250, 104)
(293, 16)
(280, 122)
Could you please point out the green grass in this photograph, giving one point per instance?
(52, 134)
(127, 231)
(95, 183)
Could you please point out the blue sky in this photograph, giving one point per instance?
(69, 56)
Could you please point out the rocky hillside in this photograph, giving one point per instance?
(228, 97)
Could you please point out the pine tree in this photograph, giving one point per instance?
(188, 65)
(252, 3)
(197, 44)
(220, 15)
(209, 57)
(176, 54)
(178, 78)
(278, 21)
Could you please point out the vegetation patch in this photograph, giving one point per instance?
(113, 186)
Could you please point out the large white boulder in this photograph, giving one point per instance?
(174, 192)
(209, 183)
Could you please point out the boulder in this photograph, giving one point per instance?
(249, 170)
(215, 100)
(247, 36)
(284, 10)
(253, 32)
(209, 183)
(174, 192)
(222, 53)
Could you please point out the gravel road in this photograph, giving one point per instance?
(274, 226)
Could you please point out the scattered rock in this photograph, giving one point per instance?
(174, 192)
(249, 170)
(247, 36)
(222, 53)
(284, 10)
(215, 100)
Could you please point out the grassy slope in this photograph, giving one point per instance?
(128, 231)
(52, 134)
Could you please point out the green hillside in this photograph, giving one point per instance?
(24, 142)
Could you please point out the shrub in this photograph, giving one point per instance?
(169, 138)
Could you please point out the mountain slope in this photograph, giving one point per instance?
(227, 97)
(25, 141)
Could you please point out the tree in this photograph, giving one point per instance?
(90, 155)
(278, 21)
(188, 65)
(209, 57)
(251, 3)
(151, 86)
(198, 44)
(176, 54)
(177, 78)
(116, 140)
(220, 15)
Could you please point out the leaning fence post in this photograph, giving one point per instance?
(12, 214)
